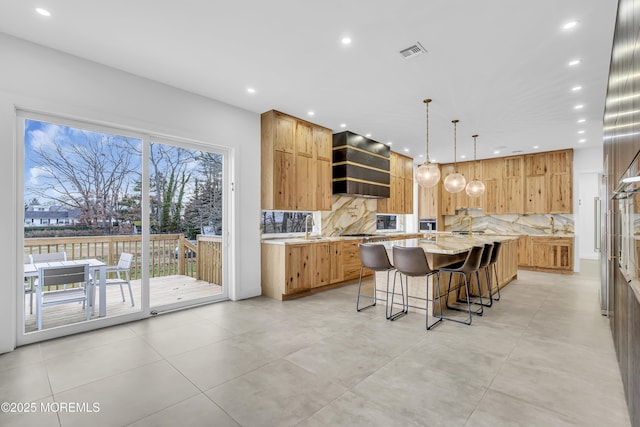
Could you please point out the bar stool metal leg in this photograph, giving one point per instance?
(393, 316)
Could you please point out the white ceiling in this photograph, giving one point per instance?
(499, 66)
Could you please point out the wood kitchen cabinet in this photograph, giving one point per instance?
(401, 195)
(538, 183)
(351, 259)
(546, 253)
(295, 164)
(524, 251)
(292, 270)
(549, 182)
(321, 253)
(298, 268)
(429, 201)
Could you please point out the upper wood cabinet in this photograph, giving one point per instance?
(531, 184)
(401, 177)
(549, 182)
(295, 164)
(429, 201)
(322, 141)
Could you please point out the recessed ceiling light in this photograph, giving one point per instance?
(576, 88)
(346, 40)
(569, 25)
(580, 132)
(536, 146)
(579, 107)
(574, 62)
(433, 160)
(582, 141)
(406, 150)
(421, 155)
(43, 12)
(310, 113)
(389, 143)
(368, 135)
(582, 120)
(343, 125)
(496, 152)
(462, 156)
(251, 90)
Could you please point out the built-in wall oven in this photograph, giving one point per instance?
(626, 237)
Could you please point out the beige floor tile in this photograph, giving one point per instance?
(38, 413)
(277, 394)
(75, 369)
(24, 383)
(128, 396)
(351, 410)
(194, 412)
(21, 356)
(185, 337)
(498, 409)
(216, 363)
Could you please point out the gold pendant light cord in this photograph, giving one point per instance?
(427, 101)
(455, 152)
(475, 158)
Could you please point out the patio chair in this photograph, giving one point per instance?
(45, 257)
(53, 276)
(121, 271)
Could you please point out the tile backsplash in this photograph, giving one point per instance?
(511, 224)
(349, 215)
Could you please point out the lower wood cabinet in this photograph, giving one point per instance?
(292, 269)
(546, 253)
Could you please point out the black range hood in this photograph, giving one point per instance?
(360, 166)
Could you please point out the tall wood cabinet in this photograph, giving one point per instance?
(549, 182)
(295, 163)
(401, 176)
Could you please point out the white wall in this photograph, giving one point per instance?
(587, 163)
(45, 80)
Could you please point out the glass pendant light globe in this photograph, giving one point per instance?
(475, 188)
(427, 175)
(454, 182)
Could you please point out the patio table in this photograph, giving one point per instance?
(97, 268)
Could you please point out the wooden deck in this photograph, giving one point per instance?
(164, 290)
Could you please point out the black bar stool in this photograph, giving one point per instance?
(373, 257)
(412, 262)
(494, 259)
(466, 269)
(484, 266)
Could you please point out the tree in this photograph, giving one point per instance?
(86, 170)
(170, 174)
(204, 209)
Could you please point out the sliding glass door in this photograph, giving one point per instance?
(186, 225)
(145, 214)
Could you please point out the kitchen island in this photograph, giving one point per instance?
(442, 250)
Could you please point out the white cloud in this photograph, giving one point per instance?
(44, 139)
(35, 173)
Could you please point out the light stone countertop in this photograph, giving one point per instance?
(325, 239)
(447, 245)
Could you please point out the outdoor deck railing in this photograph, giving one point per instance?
(170, 253)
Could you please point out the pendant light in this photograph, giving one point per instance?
(476, 187)
(427, 174)
(454, 182)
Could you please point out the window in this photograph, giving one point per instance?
(388, 222)
(281, 222)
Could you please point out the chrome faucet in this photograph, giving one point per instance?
(470, 219)
(553, 225)
(306, 225)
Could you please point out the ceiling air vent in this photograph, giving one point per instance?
(413, 51)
